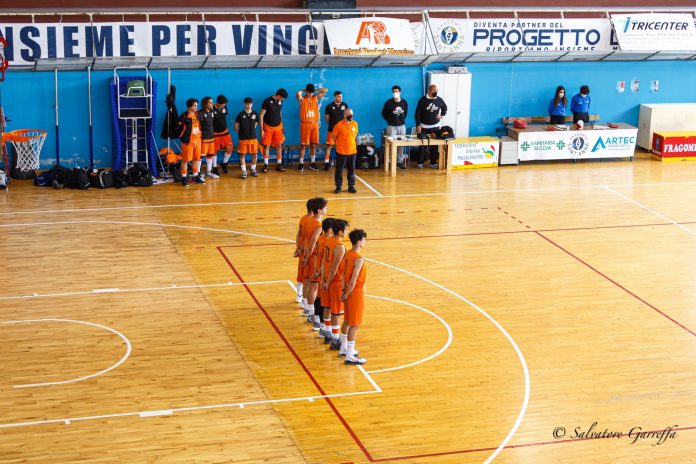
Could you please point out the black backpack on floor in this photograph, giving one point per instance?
(79, 179)
(139, 176)
(120, 179)
(102, 178)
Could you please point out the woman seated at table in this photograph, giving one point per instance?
(557, 106)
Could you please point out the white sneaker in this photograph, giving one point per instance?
(212, 175)
(355, 360)
(298, 299)
(342, 353)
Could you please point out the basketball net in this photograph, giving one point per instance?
(28, 144)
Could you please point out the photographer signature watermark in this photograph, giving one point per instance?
(634, 435)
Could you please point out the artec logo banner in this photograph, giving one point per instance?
(374, 36)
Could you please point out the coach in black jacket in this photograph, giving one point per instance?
(394, 113)
(429, 112)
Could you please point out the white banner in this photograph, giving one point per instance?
(655, 32)
(30, 42)
(510, 35)
(370, 36)
(472, 152)
(551, 145)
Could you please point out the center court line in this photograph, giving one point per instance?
(343, 198)
(640, 205)
(368, 186)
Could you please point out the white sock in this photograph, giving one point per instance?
(226, 158)
(305, 305)
(312, 158)
(316, 318)
(197, 166)
(253, 167)
(350, 350)
(244, 168)
(209, 164)
(299, 284)
(215, 161)
(344, 342)
(310, 309)
(334, 331)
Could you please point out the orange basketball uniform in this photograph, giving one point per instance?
(336, 284)
(319, 262)
(355, 303)
(300, 269)
(309, 120)
(311, 225)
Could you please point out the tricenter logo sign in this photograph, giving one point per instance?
(375, 32)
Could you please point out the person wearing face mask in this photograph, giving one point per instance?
(429, 113)
(557, 106)
(394, 113)
(333, 114)
(344, 134)
(580, 105)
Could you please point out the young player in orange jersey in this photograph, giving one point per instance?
(223, 140)
(312, 230)
(309, 123)
(353, 296)
(324, 266)
(333, 279)
(318, 264)
(298, 252)
(189, 129)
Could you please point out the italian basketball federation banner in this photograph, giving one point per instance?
(370, 36)
(521, 35)
(653, 32)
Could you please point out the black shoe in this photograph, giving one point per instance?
(328, 339)
(244, 175)
(254, 173)
(335, 345)
(280, 168)
(327, 165)
(338, 190)
(215, 171)
(401, 166)
(300, 167)
(184, 181)
(224, 168)
(351, 189)
(264, 168)
(313, 167)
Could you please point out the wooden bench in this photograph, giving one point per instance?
(542, 119)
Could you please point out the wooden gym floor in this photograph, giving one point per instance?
(509, 309)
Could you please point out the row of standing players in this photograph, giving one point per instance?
(331, 279)
(205, 132)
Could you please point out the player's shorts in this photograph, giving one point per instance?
(272, 136)
(208, 147)
(309, 133)
(191, 151)
(222, 141)
(250, 147)
(334, 294)
(330, 139)
(355, 306)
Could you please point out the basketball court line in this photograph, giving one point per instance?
(615, 283)
(368, 186)
(341, 198)
(651, 211)
(97, 291)
(171, 411)
(97, 374)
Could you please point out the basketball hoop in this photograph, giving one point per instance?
(27, 143)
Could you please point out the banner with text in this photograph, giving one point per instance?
(370, 36)
(520, 35)
(653, 32)
(474, 152)
(551, 145)
(29, 42)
